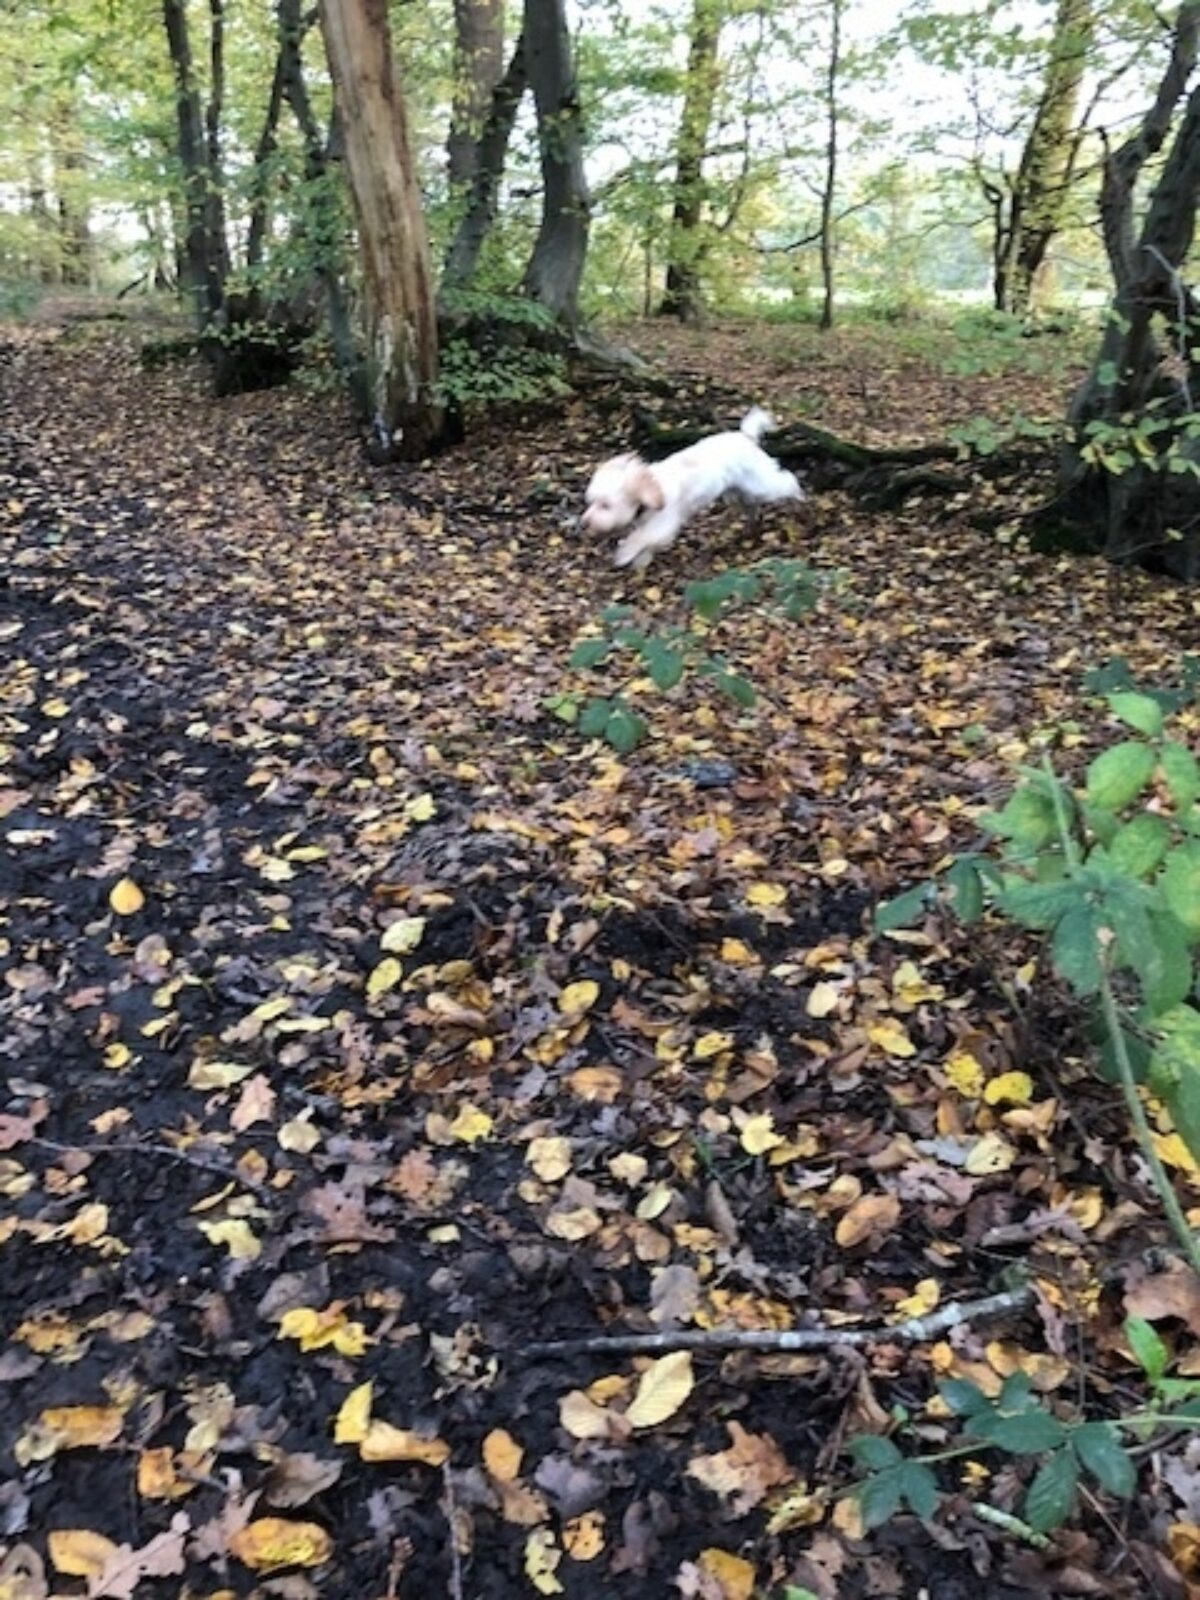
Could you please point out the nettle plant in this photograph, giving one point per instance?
(1111, 876)
(1017, 1423)
(669, 655)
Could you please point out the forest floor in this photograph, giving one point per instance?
(364, 1025)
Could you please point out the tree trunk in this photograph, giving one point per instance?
(1040, 188)
(685, 248)
(260, 179)
(1130, 470)
(555, 269)
(69, 165)
(205, 254)
(487, 170)
(829, 188)
(401, 320)
(478, 63)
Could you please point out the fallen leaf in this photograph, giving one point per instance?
(78, 1552)
(270, 1543)
(383, 1442)
(662, 1390)
(126, 898)
(579, 997)
(869, 1219)
(354, 1416)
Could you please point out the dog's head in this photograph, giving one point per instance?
(619, 492)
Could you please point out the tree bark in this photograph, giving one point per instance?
(1040, 188)
(401, 320)
(1144, 496)
(204, 253)
(488, 168)
(685, 247)
(555, 269)
(478, 63)
(829, 188)
(260, 181)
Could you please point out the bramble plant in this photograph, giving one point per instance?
(668, 656)
(1111, 877)
(1021, 1425)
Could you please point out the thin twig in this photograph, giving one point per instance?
(916, 1330)
(457, 1591)
(128, 1147)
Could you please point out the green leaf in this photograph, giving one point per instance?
(879, 1497)
(1139, 711)
(1138, 846)
(1051, 1496)
(737, 688)
(593, 719)
(1168, 975)
(1098, 1446)
(1149, 1351)
(1120, 774)
(920, 1488)
(664, 665)
(1136, 1048)
(1175, 1072)
(590, 653)
(874, 1451)
(963, 1397)
(963, 878)
(1181, 884)
(1076, 949)
(904, 909)
(1025, 1433)
(1039, 905)
(1181, 772)
(1028, 819)
(623, 729)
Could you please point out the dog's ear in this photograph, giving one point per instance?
(647, 490)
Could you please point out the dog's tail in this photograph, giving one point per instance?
(756, 422)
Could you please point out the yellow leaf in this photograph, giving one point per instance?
(236, 1235)
(1172, 1150)
(117, 1055)
(766, 894)
(298, 1134)
(582, 1418)
(550, 1157)
(891, 1037)
(738, 953)
(126, 898)
(384, 977)
(711, 1044)
(216, 1074)
(1014, 1087)
(383, 1442)
(992, 1153)
(579, 1223)
(583, 1536)
(542, 1560)
(502, 1456)
(965, 1074)
(83, 1427)
(758, 1134)
(735, 1575)
(822, 1000)
(354, 1416)
(56, 707)
(316, 1330)
(78, 1552)
(871, 1217)
(470, 1125)
(402, 937)
(910, 988)
(662, 1389)
(274, 1542)
(579, 997)
(422, 808)
(157, 1477)
(922, 1300)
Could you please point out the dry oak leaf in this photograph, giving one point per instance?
(270, 1543)
(1174, 1292)
(662, 1390)
(502, 1455)
(584, 1419)
(70, 1428)
(383, 1442)
(550, 1157)
(256, 1104)
(121, 1576)
(735, 1575)
(217, 1074)
(870, 1219)
(79, 1552)
(158, 1472)
(22, 1574)
(745, 1473)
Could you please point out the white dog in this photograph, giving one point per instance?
(655, 500)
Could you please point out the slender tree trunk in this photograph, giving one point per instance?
(829, 188)
(1145, 496)
(204, 253)
(213, 113)
(260, 182)
(1041, 186)
(478, 64)
(487, 170)
(684, 250)
(556, 267)
(69, 165)
(398, 292)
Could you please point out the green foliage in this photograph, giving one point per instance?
(504, 354)
(1056, 1454)
(1152, 438)
(672, 654)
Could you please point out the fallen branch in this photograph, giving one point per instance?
(916, 1330)
(802, 441)
(129, 1148)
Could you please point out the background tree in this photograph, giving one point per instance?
(682, 296)
(397, 276)
(478, 65)
(555, 268)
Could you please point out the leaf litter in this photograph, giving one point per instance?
(365, 1027)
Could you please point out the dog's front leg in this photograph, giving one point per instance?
(638, 549)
